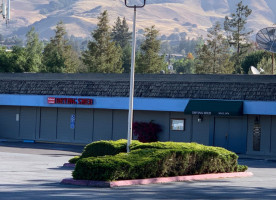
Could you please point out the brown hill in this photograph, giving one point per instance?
(192, 17)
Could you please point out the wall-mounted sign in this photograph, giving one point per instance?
(79, 101)
(72, 121)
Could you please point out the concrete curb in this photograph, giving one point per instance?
(112, 184)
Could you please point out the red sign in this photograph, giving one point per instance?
(51, 100)
(79, 101)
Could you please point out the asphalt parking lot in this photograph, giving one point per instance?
(34, 171)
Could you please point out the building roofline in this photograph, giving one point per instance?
(142, 77)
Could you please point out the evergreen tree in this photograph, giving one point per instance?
(126, 58)
(214, 55)
(102, 55)
(238, 34)
(121, 36)
(14, 60)
(120, 33)
(33, 51)
(17, 60)
(149, 60)
(58, 56)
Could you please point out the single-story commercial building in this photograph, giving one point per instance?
(237, 112)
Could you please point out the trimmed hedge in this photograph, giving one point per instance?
(160, 159)
(102, 148)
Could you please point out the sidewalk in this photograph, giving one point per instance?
(258, 157)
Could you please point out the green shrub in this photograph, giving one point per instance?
(241, 168)
(102, 148)
(157, 162)
(74, 159)
(101, 168)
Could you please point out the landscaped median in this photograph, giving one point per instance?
(105, 163)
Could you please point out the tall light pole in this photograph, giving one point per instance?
(131, 88)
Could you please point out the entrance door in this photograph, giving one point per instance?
(230, 134)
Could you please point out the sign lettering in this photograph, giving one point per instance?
(79, 101)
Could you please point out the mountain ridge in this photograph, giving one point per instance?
(192, 17)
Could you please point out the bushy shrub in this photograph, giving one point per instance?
(74, 159)
(100, 168)
(146, 132)
(157, 162)
(102, 148)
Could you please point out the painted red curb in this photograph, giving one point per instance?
(154, 180)
(69, 165)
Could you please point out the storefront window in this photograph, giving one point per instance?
(177, 124)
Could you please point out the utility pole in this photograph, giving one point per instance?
(5, 9)
(132, 72)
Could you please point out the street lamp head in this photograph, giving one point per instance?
(135, 3)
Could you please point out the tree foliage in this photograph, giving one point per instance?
(188, 45)
(34, 49)
(58, 56)
(149, 60)
(103, 56)
(265, 65)
(253, 59)
(235, 26)
(17, 59)
(214, 56)
(184, 66)
(121, 36)
(4, 60)
(120, 33)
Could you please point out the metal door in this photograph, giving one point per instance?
(84, 125)
(9, 122)
(221, 132)
(48, 124)
(27, 123)
(230, 134)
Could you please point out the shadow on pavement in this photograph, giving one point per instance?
(44, 146)
(138, 192)
(253, 163)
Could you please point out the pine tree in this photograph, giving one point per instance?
(58, 56)
(120, 33)
(121, 36)
(238, 34)
(34, 49)
(103, 56)
(214, 55)
(149, 60)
